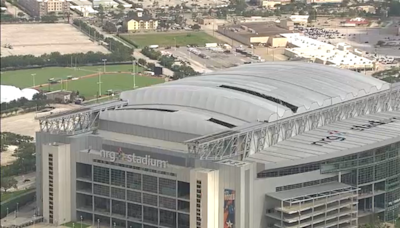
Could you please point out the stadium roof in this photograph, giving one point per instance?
(341, 138)
(236, 96)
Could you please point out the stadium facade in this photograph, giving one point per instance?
(268, 145)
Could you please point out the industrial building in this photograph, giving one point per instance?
(324, 53)
(38, 8)
(267, 33)
(269, 145)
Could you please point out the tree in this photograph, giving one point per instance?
(196, 27)
(121, 7)
(101, 13)
(21, 14)
(49, 19)
(8, 182)
(142, 62)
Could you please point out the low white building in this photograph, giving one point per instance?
(104, 3)
(320, 52)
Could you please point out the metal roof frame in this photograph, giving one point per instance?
(246, 140)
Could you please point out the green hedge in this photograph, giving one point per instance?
(22, 200)
(128, 41)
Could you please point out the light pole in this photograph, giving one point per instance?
(81, 220)
(99, 83)
(134, 72)
(7, 213)
(175, 43)
(114, 224)
(17, 211)
(66, 82)
(104, 64)
(98, 223)
(33, 78)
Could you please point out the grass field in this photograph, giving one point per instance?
(75, 224)
(24, 78)
(8, 195)
(88, 87)
(168, 39)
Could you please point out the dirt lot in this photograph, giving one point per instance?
(6, 156)
(25, 124)
(38, 39)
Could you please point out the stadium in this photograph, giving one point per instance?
(269, 145)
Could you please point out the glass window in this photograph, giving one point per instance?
(183, 220)
(167, 218)
(101, 190)
(101, 175)
(150, 199)
(118, 193)
(183, 206)
(150, 215)
(134, 180)
(118, 177)
(167, 203)
(118, 207)
(102, 205)
(135, 211)
(134, 196)
(167, 187)
(134, 225)
(150, 184)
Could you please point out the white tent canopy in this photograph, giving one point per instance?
(10, 93)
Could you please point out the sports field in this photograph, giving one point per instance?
(24, 78)
(170, 39)
(117, 78)
(88, 86)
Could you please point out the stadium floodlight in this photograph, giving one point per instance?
(104, 64)
(33, 78)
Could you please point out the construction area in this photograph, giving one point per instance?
(39, 39)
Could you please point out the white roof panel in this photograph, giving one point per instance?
(254, 92)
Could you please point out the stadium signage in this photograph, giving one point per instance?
(332, 137)
(372, 124)
(132, 158)
(337, 136)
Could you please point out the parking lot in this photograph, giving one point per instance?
(216, 60)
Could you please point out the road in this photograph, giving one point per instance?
(21, 185)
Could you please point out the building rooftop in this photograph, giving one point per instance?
(307, 47)
(140, 16)
(303, 192)
(341, 138)
(260, 29)
(233, 97)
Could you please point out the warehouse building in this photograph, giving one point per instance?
(286, 144)
(255, 33)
